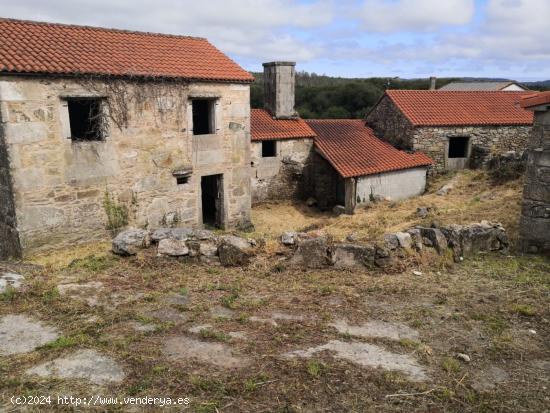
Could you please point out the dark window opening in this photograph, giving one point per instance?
(85, 119)
(269, 149)
(458, 147)
(181, 180)
(203, 116)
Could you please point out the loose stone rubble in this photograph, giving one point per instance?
(205, 245)
(10, 280)
(462, 240)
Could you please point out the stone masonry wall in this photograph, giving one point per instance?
(285, 176)
(484, 141)
(9, 238)
(326, 181)
(388, 123)
(60, 185)
(535, 212)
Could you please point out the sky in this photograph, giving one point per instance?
(349, 38)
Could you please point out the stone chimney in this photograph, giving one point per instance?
(433, 80)
(279, 80)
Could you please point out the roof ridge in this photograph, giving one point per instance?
(461, 91)
(100, 28)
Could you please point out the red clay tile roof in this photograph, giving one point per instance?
(34, 47)
(542, 98)
(456, 108)
(353, 150)
(264, 127)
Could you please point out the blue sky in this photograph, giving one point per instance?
(350, 38)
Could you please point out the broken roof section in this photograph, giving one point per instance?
(353, 149)
(454, 108)
(536, 99)
(264, 127)
(47, 48)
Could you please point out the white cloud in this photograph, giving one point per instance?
(247, 28)
(415, 15)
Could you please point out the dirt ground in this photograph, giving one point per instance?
(469, 337)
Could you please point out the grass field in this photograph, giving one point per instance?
(493, 308)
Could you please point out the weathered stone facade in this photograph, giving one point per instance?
(285, 176)
(389, 123)
(535, 211)
(60, 185)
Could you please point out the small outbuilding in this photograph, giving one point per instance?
(457, 129)
(504, 85)
(353, 166)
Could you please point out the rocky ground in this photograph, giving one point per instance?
(455, 337)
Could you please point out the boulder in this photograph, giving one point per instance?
(127, 242)
(465, 240)
(339, 210)
(422, 212)
(404, 239)
(352, 256)
(10, 280)
(232, 255)
(416, 238)
(182, 234)
(289, 238)
(312, 253)
(445, 189)
(435, 238)
(353, 237)
(238, 242)
(172, 248)
(391, 241)
(208, 249)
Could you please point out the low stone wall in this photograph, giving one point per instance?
(461, 240)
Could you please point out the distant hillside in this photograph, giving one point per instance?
(320, 96)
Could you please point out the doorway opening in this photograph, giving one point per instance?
(212, 200)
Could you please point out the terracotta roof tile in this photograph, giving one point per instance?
(353, 149)
(542, 98)
(34, 47)
(454, 108)
(264, 127)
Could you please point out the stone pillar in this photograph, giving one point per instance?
(279, 80)
(534, 234)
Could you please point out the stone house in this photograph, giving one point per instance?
(534, 231)
(456, 129)
(282, 143)
(353, 167)
(103, 128)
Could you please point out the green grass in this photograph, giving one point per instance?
(8, 294)
(524, 310)
(450, 365)
(94, 263)
(213, 335)
(64, 342)
(315, 368)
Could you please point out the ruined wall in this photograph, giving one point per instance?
(535, 212)
(484, 141)
(326, 183)
(389, 124)
(60, 185)
(9, 238)
(285, 176)
(395, 185)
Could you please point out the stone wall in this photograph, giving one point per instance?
(285, 176)
(484, 141)
(395, 185)
(388, 123)
(9, 238)
(326, 184)
(535, 212)
(60, 185)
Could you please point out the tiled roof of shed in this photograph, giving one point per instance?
(47, 48)
(542, 98)
(353, 149)
(480, 85)
(454, 108)
(264, 127)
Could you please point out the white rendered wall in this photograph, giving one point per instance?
(395, 185)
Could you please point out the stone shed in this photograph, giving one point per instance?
(457, 129)
(353, 167)
(534, 232)
(282, 143)
(103, 128)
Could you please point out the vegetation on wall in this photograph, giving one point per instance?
(117, 214)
